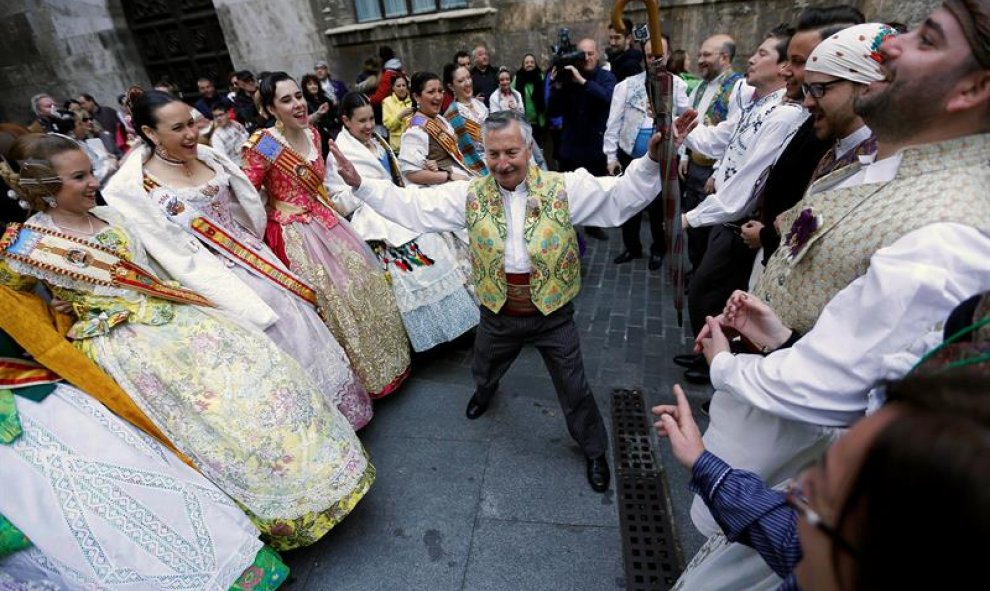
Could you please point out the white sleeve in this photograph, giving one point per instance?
(734, 198)
(437, 208)
(874, 329)
(712, 140)
(681, 101)
(609, 201)
(616, 112)
(413, 148)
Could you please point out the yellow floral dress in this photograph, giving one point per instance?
(245, 412)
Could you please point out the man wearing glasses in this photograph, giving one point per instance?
(875, 255)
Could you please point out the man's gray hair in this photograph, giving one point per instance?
(499, 120)
(37, 99)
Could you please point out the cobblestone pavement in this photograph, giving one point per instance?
(502, 502)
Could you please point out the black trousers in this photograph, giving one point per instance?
(725, 268)
(630, 229)
(499, 340)
(694, 193)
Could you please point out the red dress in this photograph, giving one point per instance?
(355, 299)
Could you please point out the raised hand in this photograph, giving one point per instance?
(684, 124)
(345, 168)
(676, 423)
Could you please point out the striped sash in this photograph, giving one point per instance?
(230, 247)
(81, 260)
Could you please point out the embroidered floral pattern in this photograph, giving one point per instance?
(804, 226)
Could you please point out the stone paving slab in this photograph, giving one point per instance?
(502, 502)
(540, 556)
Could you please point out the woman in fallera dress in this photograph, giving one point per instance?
(319, 246)
(90, 494)
(203, 222)
(248, 415)
(429, 153)
(466, 114)
(425, 275)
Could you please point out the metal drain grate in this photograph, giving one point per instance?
(652, 560)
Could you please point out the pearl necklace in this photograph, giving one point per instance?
(167, 159)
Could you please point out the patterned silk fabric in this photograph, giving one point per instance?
(944, 182)
(246, 413)
(555, 278)
(356, 301)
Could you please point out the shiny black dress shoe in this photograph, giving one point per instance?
(656, 261)
(596, 233)
(475, 408)
(698, 376)
(691, 361)
(598, 474)
(625, 257)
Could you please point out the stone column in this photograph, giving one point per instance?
(267, 35)
(63, 48)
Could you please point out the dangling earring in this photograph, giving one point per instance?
(50, 201)
(280, 126)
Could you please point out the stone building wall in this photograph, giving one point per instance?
(511, 28)
(272, 35)
(63, 47)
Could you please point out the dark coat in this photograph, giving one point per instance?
(584, 108)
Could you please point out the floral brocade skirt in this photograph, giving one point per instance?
(301, 332)
(430, 290)
(248, 416)
(356, 301)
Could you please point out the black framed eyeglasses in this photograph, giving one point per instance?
(799, 502)
(818, 89)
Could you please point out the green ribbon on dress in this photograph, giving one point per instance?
(10, 425)
(11, 539)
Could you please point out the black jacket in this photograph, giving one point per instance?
(626, 64)
(585, 112)
(789, 180)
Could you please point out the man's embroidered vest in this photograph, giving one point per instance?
(945, 182)
(550, 240)
(718, 109)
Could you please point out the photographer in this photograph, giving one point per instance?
(48, 118)
(581, 93)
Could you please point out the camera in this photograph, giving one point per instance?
(641, 34)
(62, 121)
(565, 53)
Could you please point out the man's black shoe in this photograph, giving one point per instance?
(625, 257)
(475, 408)
(691, 361)
(698, 376)
(598, 475)
(656, 261)
(596, 233)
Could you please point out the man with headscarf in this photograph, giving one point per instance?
(833, 130)
(875, 257)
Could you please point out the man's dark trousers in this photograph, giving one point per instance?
(726, 267)
(499, 340)
(630, 229)
(694, 193)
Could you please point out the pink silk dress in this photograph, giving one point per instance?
(355, 299)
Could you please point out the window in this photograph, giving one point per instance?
(373, 10)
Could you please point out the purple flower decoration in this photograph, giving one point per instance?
(806, 224)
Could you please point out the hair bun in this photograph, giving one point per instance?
(132, 95)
